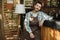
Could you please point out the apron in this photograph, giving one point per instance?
(34, 25)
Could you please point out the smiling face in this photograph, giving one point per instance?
(37, 7)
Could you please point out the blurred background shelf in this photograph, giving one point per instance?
(10, 23)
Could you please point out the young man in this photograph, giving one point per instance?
(34, 20)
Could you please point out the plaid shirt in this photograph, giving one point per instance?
(41, 16)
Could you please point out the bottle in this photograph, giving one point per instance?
(54, 3)
(48, 3)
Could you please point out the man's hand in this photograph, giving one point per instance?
(32, 35)
(41, 23)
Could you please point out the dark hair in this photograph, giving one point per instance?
(37, 2)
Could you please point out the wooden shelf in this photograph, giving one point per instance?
(10, 23)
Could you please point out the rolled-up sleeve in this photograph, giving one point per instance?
(26, 23)
(46, 17)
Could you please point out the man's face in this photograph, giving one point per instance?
(37, 7)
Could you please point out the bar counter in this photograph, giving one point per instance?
(51, 33)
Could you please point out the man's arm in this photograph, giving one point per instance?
(42, 17)
(26, 23)
(46, 17)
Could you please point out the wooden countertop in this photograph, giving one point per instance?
(52, 24)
